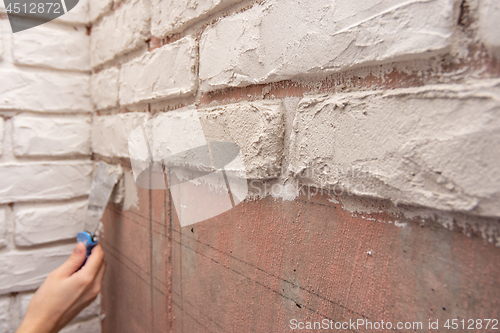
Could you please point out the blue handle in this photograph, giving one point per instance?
(88, 239)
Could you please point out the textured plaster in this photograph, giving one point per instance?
(166, 72)
(280, 40)
(430, 146)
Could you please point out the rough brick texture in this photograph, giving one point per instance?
(45, 91)
(414, 161)
(104, 88)
(91, 326)
(167, 72)
(44, 181)
(2, 131)
(53, 46)
(262, 45)
(26, 270)
(3, 226)
(99, 7)
(45, 223)
(123, 31)
(256, 127)
(171, 16)
(489, 16)
(110, 133)
(51, 136)
(5, 321)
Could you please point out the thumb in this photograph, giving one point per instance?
(75, 261)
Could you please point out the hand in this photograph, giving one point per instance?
(65, 292)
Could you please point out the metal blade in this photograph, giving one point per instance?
(106, 176)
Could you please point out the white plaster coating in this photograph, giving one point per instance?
(3, 226)
(280, 40)
(104, 88)
(44, 90)
(489, 16)
(1, 37)
(51, 136)
(26, 270)
(90, 311)
(110, 133)
(256, 127)
(98, 8)
(44, 223)
(5, 321)
(2, 131)
(174, 15)
(437, 151)
(53, 46)
(123, 31)
(166, 72)
(44, 181)
(90, 326)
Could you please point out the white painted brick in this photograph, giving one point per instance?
(90, 311)
(51, 136)
(1, 35)
(26, 270)
(2, 133)
(489, 16)
(44, 181)
(173, 15)
(428, 146)
(53, 46)
(256, 127)
(5, 321)
(44, 90)
(166, 72)
(125, 30)
(104, 88)
(43, 223)
(99, 7)
(3, 226)
(110, 133)
(89, 326)
(268, 43)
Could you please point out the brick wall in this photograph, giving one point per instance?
(368, 134)
(45, 164)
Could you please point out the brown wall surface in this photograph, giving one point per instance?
(266, 262)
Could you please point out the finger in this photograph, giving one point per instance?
(94, 262)
(74, 262)
(100, 275)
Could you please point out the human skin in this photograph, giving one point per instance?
(65, 292)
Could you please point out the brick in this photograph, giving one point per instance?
(174, 15)
(98, 8)
(43, 223)
(51, 136)
(2, 131)
(166, 72)
(26, 270)
(125, 30)
(42, 90)
(89, 326)
(5, 321)
(90, 311)
(489, 15)
(110, 133)
(261, 45)
(41, 46)
(3, 226)
(1, 35)
(104, 88)
(435, 153)
(256, 127)
(44, 181)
